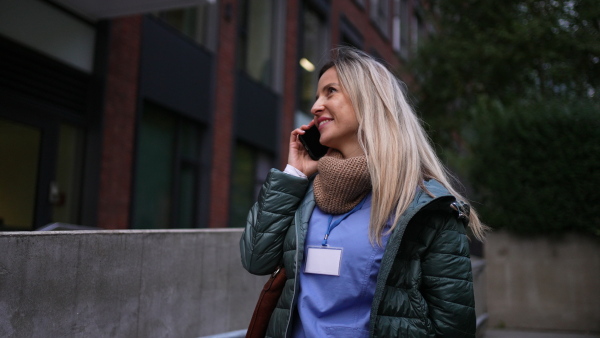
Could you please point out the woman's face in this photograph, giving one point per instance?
(335, 117)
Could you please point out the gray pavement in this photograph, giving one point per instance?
(534, 334)
(488, 334)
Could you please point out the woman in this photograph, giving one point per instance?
(372, 235)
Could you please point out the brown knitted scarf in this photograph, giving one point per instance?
(341, 183)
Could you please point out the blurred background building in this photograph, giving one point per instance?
(166, 114)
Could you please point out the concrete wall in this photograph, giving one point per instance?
(124, 284)
(479, 276)
(543, 284)
(127, 283)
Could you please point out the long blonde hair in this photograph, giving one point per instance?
(399, 153)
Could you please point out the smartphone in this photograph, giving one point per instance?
(310, 140)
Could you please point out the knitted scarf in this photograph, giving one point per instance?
(341, 183)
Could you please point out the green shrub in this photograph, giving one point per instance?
(536, 167)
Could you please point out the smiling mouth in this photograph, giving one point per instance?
(319, 124)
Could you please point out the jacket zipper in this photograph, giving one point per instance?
(289, 321)
(378, 295)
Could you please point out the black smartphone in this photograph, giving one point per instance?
(310, 140)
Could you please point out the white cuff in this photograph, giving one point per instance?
(293, 171)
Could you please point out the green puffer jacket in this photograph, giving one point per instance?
(424, 286)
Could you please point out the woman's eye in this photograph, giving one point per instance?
(331, 90)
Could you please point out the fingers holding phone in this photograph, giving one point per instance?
(300, 156)
(310, 141)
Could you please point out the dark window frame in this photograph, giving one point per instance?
(350, 35)
(256, 180)
(322, 10)
(200, 199)
(37, 106)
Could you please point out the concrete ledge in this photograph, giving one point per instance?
(146, 283)
(543, 284)
(131, 283)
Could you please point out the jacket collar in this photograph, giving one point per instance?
(433, 190)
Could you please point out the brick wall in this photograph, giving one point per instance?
(119, 116)
(290, 70)
(360, 19)
(223, 116)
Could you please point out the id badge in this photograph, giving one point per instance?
(323, 260)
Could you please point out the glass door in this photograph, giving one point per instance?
(41, 171)
(19, 162)
(65, 188)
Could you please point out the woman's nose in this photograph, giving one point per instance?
(316, 108)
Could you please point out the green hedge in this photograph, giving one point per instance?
(536, 167)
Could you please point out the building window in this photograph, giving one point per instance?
(250, 169)
(400, 29)
(22, 177)
(380, 15)
(396, 22)
(65, 191)
(312, 56)
(198, 23)
(258, 43)
(167, 180)
(351, 36)
(21, 144)
(418, 31)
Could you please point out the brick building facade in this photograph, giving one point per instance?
(166, 117)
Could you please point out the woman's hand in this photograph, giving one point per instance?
(298, 156)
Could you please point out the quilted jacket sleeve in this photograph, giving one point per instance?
(261, 245)
(447, 278)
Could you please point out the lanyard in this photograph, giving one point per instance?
(339, 220)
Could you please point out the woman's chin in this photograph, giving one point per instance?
(327, 144)
(324, 141)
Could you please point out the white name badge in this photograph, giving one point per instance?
(323, 260)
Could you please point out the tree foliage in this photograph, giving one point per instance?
(511, 91)
(508, 50)
(536, 167)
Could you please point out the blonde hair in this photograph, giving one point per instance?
(399, 154)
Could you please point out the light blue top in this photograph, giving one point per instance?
(340, 306)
